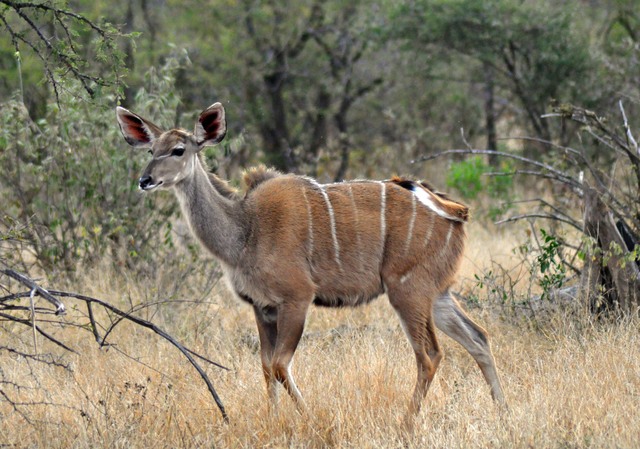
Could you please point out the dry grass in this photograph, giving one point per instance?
(572, 384)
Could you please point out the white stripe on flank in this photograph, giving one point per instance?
(430, 226)
(412, 222)
(383, 218)
(426, 199)
(357, 222)
(332, 222)
(446, 240)
(310, 219)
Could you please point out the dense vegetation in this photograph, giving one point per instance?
(331, 89)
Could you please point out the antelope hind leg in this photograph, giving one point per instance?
(453, 321)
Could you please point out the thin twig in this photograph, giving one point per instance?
(33, 320)
(632, 142)
(40, 331)
(545, 203)
(464, 139)
(94, 326)
(540, 215)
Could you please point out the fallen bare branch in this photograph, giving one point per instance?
(52, 295)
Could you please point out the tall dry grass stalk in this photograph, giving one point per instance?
(571, 383)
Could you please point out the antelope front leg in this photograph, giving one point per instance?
(266, 319)
(290, 322)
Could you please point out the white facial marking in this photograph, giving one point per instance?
(150, 187)
(426, 199)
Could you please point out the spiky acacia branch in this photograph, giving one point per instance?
(59, 53)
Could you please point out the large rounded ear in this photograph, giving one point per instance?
(211, 126)
(137, 131)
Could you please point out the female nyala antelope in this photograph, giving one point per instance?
(288, 242)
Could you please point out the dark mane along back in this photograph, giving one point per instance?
(255, 176)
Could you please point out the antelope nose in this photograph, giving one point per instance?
(144, 181)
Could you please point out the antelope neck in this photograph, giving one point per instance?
(214, 219)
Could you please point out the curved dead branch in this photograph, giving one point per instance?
(53, 295)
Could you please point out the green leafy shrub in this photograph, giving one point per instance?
(466, 176)
(471, 177)
(72, 177)
(552, 271)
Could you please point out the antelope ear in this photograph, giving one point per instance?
(137, 131)
(211, 126)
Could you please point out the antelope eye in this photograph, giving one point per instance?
(179, 151)
(150, 152)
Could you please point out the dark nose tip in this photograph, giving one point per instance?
(144, 181)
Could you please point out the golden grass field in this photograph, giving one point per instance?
(570, 382)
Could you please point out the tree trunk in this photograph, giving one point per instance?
(276, 133)
(129, 60)
(610, 279)
(319, 135)
(343, 140)
(490, 113)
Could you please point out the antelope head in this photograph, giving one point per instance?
(173, 151)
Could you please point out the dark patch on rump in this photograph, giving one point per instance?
(404, 183)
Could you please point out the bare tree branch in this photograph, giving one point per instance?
(541, 215)
(60, 309)
(560, 176)
(630, 140)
